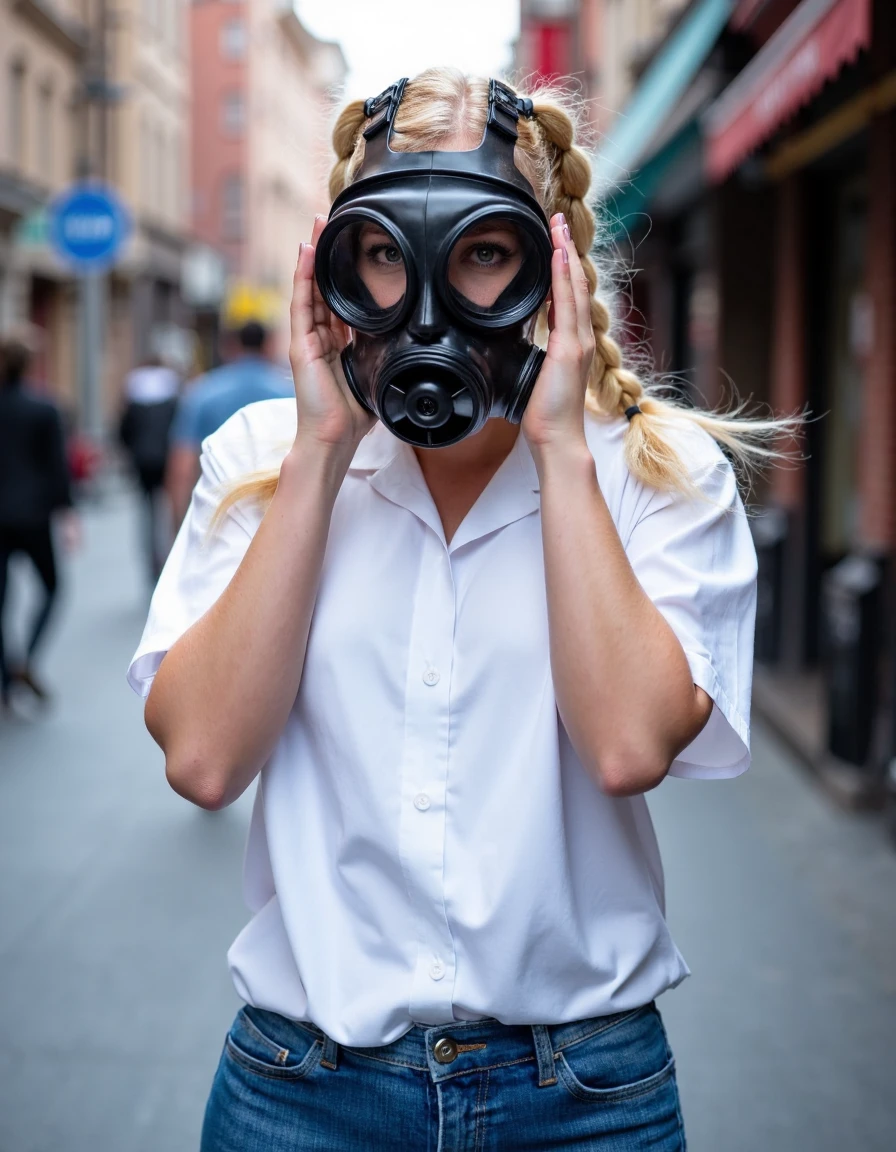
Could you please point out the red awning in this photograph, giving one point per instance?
(809, 49)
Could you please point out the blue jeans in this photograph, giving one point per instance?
(607, 1083)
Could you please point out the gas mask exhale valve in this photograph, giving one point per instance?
(438, 262)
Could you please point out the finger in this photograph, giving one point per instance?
(301, 317)
(321, 312)
(581, 291)
(562, 296)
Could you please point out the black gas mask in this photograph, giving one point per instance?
(438, 262)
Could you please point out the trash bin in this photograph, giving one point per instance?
(853, 610)
(769, 528)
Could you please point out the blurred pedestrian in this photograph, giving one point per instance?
(149, 407)
(34, 485)
(214, 398)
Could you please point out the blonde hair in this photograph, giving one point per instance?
(442, 105)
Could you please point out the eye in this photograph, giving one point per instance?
(383, 254)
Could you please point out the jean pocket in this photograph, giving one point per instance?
(272, 1046)
(627, 1059)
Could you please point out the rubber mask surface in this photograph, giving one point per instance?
(439, 262)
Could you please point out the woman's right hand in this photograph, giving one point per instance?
(328, 414)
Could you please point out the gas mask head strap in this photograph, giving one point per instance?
(383, 108)
(504, 109)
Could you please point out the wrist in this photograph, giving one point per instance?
(312, 463)
(566, 461)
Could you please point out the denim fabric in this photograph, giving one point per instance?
(606, 1083)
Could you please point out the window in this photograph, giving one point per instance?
(16, 113)
(233, 113)
(45, 133)
(75, 133)
(232, 207)
(233, 40)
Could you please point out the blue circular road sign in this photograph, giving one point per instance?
(88, 225)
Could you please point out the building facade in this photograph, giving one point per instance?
(749, 172)
(93, 91)
(43, 50)
(264, 89)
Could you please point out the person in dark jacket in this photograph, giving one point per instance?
(34, 484)
(150, 404)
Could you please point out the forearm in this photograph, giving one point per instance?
(223, 692)
(624, 689)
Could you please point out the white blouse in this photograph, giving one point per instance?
(425, 845)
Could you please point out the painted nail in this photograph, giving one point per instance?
(562, 217)
(566, 232)
(565, 255)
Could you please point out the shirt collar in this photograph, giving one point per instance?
(511, 494)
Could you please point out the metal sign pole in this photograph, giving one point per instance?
(91, 286)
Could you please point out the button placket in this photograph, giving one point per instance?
(424, 781)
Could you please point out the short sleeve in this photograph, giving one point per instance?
(695, 559)
(198, 569)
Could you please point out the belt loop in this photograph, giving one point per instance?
(544, 1053)
(330, 1057)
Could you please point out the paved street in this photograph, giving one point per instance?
(118, 901)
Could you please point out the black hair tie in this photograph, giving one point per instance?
(634, 410)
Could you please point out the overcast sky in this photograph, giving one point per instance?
(385, 39)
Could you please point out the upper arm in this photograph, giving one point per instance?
(206, 553)
(696, 561)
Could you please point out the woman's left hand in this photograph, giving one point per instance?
(555, 413)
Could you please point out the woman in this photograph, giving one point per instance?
(458, 671)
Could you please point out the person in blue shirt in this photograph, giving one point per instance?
(214, 398)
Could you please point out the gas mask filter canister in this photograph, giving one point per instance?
(438, 262)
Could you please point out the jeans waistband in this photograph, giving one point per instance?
(449, 1050)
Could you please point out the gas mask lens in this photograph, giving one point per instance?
(495, 272)
(368, 275)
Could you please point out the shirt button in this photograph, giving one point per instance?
(437, 970)
(431, 677)
(421, 802)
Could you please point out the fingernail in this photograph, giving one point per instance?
(320, 216)
(562, 217)
(566, 232)
(565, 255)
(301, 249)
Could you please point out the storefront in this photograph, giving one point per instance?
(811, 120)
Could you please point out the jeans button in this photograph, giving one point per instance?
(444, 1050)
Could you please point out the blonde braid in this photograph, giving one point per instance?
(347, 140)
(612, 388)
